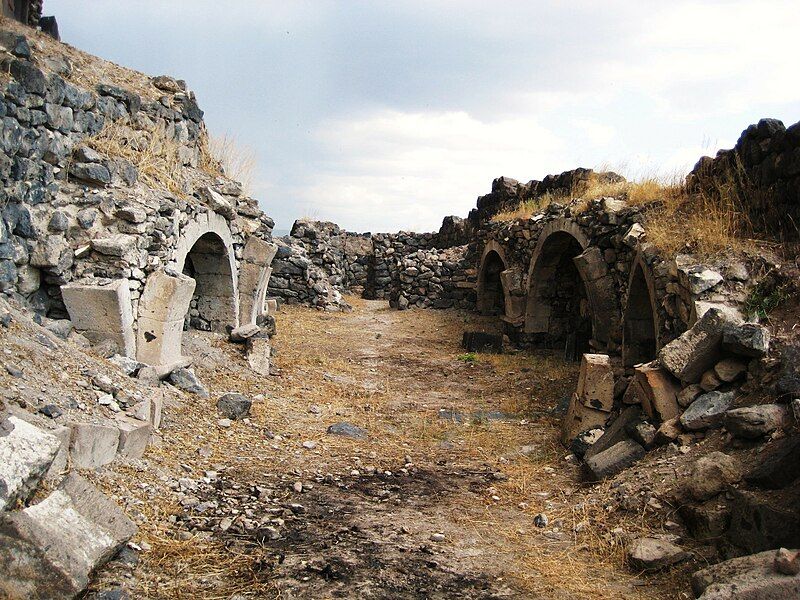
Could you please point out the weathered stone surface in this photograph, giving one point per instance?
(93, 446)
(217, 202)
(26, 454)
(754, 422)
(234, 406)
(668, 432)
(584, 440)
(660, 392)
(651, 554)
(787, 561)
(102, 312)
(259, 352)
(778, 465)
(730, 369)
(347, 430)
(185, 379)
(747, 339)
(615, 459)
(698, 349)
(709, 381)
(745, 578)
(596, 382)
(616, 431)
(244, 332)
(134, 436)
(711, 474)
(162, 308)
(580, 418)
(49, 549)
(689, 394)
(708, 411)
(761, 521)
(643, 433)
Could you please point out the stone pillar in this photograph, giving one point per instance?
(254, 275)
(102, 312)
(162, 309)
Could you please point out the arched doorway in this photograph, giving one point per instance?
(491, 296)
(213, 305)
(639, 332)
(558, 313)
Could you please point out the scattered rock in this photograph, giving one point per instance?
(234, 406)
(615, 459)
(730, 369)
(708, 411)
(754, 422)
(51, 410)
(689, 394)
(347, 430)
(437, 537)
(787, 561)
(185, 379)
(650, 554)
(747, 339)
(711, 475)
(540, 520)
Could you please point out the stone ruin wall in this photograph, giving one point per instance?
(80, 226)
(762, 174)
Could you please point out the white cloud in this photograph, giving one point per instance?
(411, 169)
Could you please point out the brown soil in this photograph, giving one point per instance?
(363, 523)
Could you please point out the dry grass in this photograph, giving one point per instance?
(154, 153)
(225, 155)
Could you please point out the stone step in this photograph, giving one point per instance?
(49, 549)
(26, 454)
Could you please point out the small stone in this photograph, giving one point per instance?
(437, 537)
(186, 380)
(711, 475)
(298, 486)
(51, 411)
(224, 423)
(309, 444)
(314, 409)
(540, 520)
(347, 430)
(787, 561)
(689, 394)
(709, 381)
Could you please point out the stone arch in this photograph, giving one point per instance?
(205, 253)
(571, 295)
(640, 322)
(491, 292)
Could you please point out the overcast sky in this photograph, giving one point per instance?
(390, 115)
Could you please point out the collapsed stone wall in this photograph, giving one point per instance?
(761, 174)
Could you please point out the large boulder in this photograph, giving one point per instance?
(49, 549)
(26, 453)
(745, 578)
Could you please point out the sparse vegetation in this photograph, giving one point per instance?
(154, 153)
(469, 357)
(765, 297)
(225, 155)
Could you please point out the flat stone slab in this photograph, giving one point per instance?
(347, 430)
(26, 453)
(49, 549)
(652, 554)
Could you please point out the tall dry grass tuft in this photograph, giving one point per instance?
(154, 153)
(225, 155)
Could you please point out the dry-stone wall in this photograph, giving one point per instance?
(84, 232)
(762, 173)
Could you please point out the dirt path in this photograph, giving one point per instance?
(439, 500)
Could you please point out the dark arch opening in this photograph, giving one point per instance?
(559, 314)
(639, 343)
(213, 306)
(493, 299)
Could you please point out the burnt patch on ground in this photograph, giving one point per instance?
(360, 536)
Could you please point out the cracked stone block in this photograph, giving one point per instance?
(580, 418)
(49, 549)
(26, 453)
(615, 459)
(659, 392)
(259, 352)
(93, 446)
(596, 382)
(102, 312)
(134, 436)
(698, 349)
